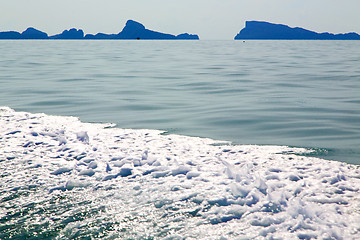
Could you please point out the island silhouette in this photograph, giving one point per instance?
(254, 30)
(132, 30)
(258, 30)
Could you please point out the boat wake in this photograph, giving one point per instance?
(61, 178)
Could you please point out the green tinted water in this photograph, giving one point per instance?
(297, 93)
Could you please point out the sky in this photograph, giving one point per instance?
(210, 19)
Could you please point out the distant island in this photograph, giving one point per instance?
(257, 30)
(132, 30)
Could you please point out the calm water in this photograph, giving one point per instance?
(296, 93)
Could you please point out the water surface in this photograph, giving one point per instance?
(294, 93)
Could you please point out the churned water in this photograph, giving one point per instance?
(61, 178)
(293, 93)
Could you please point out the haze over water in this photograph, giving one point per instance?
(294, 93)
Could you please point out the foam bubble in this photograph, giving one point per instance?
(141, 184)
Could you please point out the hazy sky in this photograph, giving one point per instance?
(210, 19)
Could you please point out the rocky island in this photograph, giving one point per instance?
(132, 30)
(135, 30)
(258, 30)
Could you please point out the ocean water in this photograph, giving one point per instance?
(66, 173)
(292, 93)
(64, 179)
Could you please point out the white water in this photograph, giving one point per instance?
(71, 179)
(293, 93)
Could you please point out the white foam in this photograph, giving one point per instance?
(161, 186)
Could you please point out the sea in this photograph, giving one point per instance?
(293, 93)
(117, 139)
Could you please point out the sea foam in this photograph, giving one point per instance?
(74, 179)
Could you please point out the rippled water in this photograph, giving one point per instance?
(64, 179)
(296, 93)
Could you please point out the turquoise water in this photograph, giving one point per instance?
(295, 93)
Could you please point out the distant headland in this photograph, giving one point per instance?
(257, 30)
(132, 30)
(254, 30)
